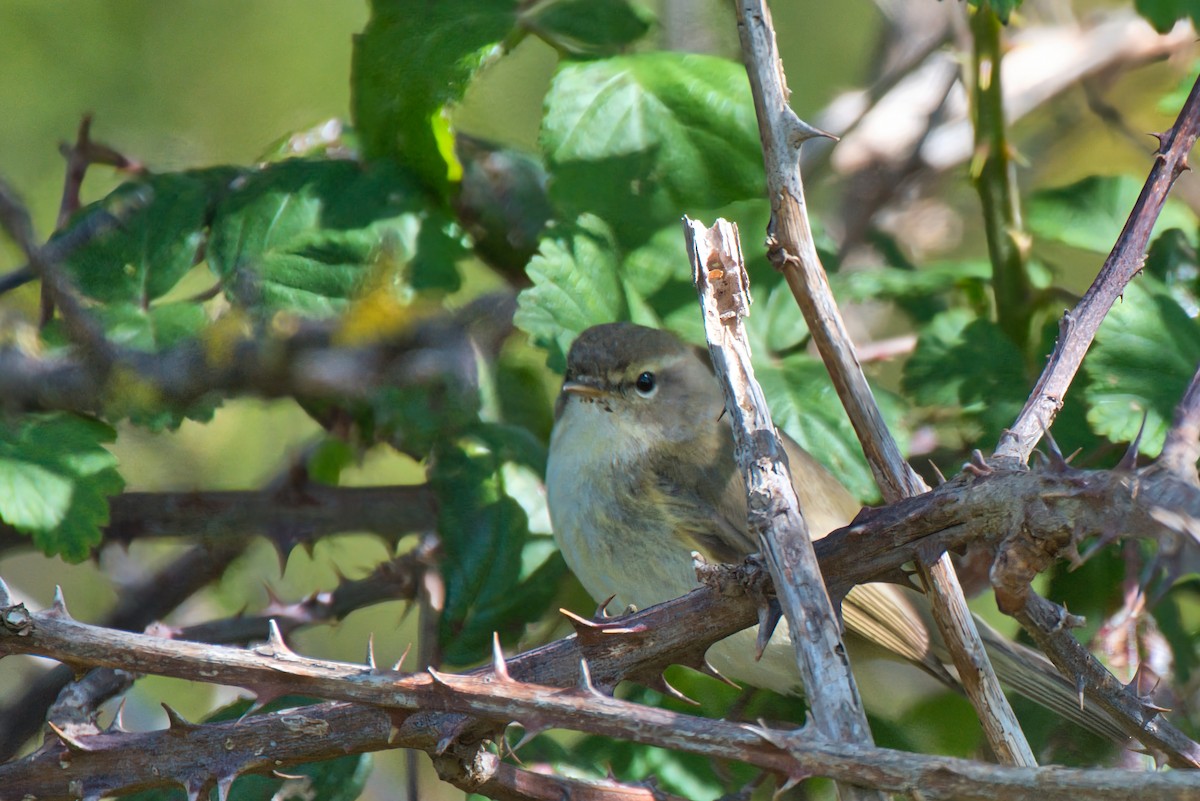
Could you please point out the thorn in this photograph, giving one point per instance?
(118, 721)
(437, 678)
(602, 609)
(400, 662)
(58, 607)
(371, 652)
(1162, 138)
(274, 601)
(978, 465)
(1079, 689)
(1152, 707)
(70, 742)
(5, 594)
(585, 680)
(197, 787)
(583, 625)
(275, 641)
(792, 780)
(289, 777)
(1057, 461)
(224, 783)
(1128, 462)
(499, 666)
(775, 738)
(529, 733)
(769, 616)
(938, 472)
(176, 722)
(1068, 621)
(662, 685)
(706, 668)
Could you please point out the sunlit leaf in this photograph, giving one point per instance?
(1143, 358)
(55, 480)
(300, 235)
(639, 140)
(1090, 213)
(410, 60)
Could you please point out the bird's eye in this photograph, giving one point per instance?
(645, 384)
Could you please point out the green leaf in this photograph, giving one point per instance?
(804, 404)
(1143, 358)
(639, 140)
(1089, 214)
(586, 27)
(146, 256)
(1163, 14)
(411, 60)
(152, 329)
(489, 584)
(894, 283)
(1172, 259)
(576, 284)
(300, 235)
(965, 361)
(55, 480)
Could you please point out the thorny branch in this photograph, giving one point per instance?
(1078, 327)
(498, 695)
(791, 248)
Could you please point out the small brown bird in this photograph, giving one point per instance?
(642, 472)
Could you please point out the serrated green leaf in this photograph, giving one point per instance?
(586, 27)
(661, 259)
(55, 481)
(1143, 358)
(780, 325)
(146, 256)
(965, 361)
(639, 140)
(1172, 259)
(411, 60)
(576, 284)
(300, 235)
(804, 404)
(1089, 214)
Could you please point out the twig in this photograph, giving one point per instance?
(719, 274)
(80, 156)
(139, 606)
(83, 329)
(304, 363)
(96, 223)
(285, 515)
(1182, 446)
(1078, 327)
(792, 250)
(996, 182)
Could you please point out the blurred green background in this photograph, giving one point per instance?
(194, 83)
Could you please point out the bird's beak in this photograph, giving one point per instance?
(581, 389)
